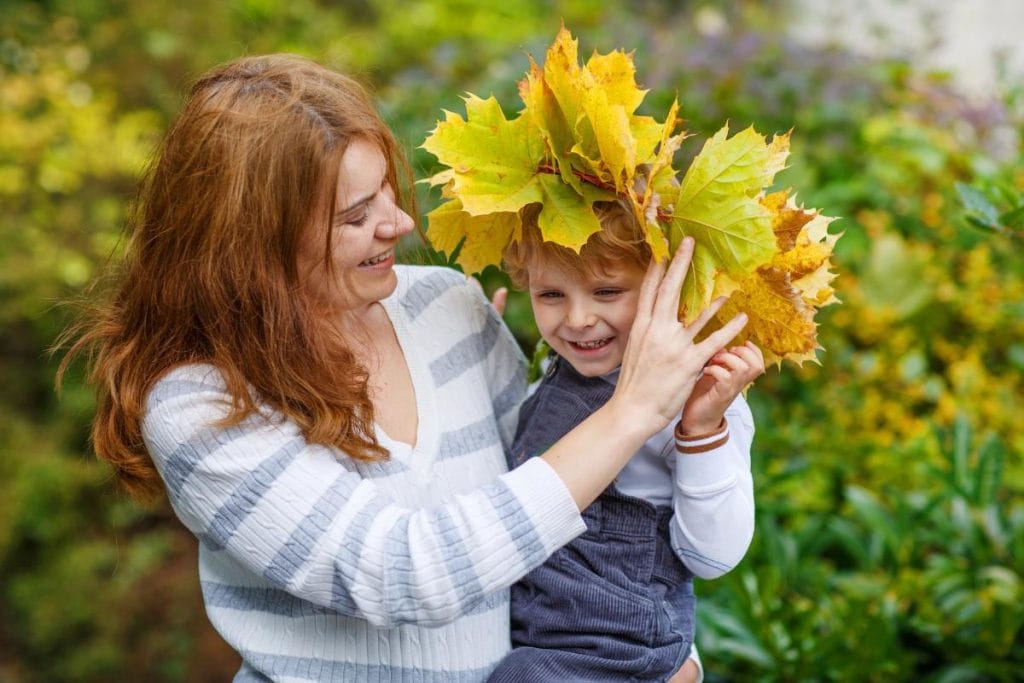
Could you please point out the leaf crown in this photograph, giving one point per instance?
(579, 140)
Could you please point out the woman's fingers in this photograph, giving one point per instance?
(697, 325)
(722, 336)
(649, 290)
(671, 286)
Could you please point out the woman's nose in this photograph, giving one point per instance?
(397, 223)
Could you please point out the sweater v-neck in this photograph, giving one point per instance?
(418, 456)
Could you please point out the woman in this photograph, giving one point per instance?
(329, 425)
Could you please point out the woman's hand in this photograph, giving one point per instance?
(662, 363)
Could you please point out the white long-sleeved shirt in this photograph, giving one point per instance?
(712, 493)
(314, 566)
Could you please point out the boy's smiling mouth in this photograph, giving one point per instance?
(590, 345)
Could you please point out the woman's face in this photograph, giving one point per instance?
(364, 231)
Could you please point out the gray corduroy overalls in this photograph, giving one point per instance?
(615, 604)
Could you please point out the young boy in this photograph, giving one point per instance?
(617, 603)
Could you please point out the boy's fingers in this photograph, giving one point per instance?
(757, 352)
(671, 286)
(719, 373)
(749, 356)
(753, 358)
(499, 300)
(733, 362)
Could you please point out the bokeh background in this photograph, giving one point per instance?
(890, 521)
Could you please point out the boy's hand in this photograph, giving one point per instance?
(498, 300)
(725, 376)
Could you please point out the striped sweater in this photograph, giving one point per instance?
(316, 567)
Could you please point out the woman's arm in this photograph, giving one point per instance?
(310, 523)
(306, 521)
(504, 366)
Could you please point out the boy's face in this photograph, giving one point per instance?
(586, 319)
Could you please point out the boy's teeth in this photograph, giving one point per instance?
(592, 344)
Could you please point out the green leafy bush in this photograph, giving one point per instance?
(889, 477)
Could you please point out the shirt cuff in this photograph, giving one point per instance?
(691, 444)
(695, 656)
(712, 468)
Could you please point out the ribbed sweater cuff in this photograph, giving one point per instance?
(547, 501)
(709, 470)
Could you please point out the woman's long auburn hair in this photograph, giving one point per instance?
(211, 275)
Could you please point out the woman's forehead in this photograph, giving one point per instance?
(362, 170)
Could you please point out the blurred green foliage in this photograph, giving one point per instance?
(890, 535)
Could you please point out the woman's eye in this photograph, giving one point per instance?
(362, 219)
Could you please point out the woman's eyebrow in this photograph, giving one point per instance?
(355, 205)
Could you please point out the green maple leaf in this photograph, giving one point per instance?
(493, 160)
(717, 204)
(568, 218)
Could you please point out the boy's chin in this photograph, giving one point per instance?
(595, 369)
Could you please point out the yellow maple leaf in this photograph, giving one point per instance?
(545, 113)
(483, 238)
(579, 140)
(782, 297)
(779, 321)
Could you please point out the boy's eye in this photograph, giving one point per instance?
(608, 292)
(549, 294)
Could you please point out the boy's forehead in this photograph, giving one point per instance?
(551, 271)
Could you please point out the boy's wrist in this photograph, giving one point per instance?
(698, 427)
(702, 442)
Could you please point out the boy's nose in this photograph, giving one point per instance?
(579, 317)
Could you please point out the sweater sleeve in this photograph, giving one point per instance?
(302, 517)
(713, 498)
(505, 368)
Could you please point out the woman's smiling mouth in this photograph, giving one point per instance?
(378, 259)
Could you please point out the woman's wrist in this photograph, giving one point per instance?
(633, 419)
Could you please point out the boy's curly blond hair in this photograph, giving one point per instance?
(619, 242)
